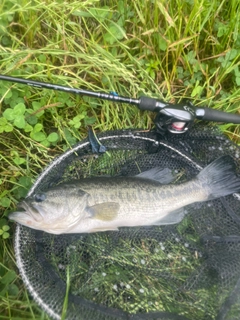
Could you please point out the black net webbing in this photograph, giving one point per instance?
(190, 270)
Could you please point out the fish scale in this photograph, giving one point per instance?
(107, 203)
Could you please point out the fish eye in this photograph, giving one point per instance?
(39, 197)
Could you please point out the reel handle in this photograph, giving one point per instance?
(217, 116)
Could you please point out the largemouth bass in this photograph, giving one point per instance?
(107, 203)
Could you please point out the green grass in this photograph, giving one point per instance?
(167, 49)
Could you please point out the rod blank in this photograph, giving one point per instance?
(45, 85)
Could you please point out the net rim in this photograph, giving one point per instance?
(17, 247)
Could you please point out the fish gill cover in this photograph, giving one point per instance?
(190, 270)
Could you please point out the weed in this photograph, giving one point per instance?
(172, 50)
(4, 226)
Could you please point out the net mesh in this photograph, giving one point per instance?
(190, 270)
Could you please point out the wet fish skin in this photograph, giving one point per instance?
(100, 204)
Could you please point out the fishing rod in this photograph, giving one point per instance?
(176, 118)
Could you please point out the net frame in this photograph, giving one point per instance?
(151, 139)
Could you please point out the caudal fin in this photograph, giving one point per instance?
(220, 177)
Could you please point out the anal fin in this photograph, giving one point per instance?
(172, 217)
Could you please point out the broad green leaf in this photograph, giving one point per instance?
(5, 126)
(19, 122)
(5, 228)
(37, 106)
(3, 222)
(38, 127)
(24, 185)
(5, 235)
(8, 277)
(3, 121)
(19, 160)
(82, 14)
(8, 127)
(38, 136)
(232, 54)
(45, 143)
(19, 109)
(196, 91)
(5, 202)
(32, 119)
(100, 13)
(69, 137)
(13, 289)
(114, 33)
(28, 128)
(25, 181)
(53, 137)
(162, 44)
(8, 95)
(9, 114)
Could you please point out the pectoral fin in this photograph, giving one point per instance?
(106, 211)
(173, 217)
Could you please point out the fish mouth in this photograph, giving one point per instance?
(25, 212)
